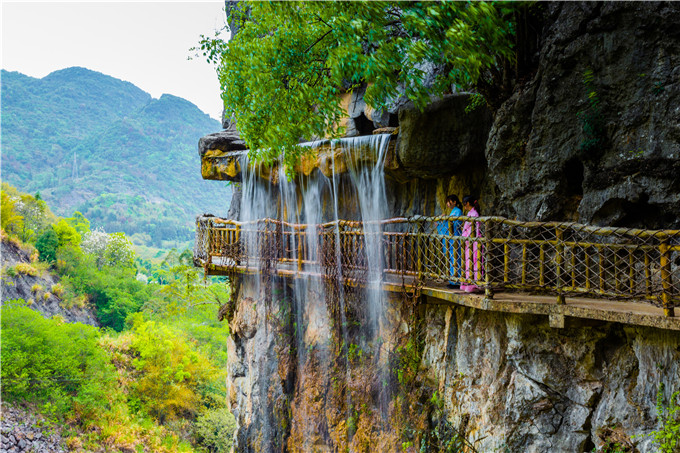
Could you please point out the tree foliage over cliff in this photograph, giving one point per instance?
(284, 70)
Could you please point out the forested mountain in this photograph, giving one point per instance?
(90, 142)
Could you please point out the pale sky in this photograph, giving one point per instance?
(146, 43)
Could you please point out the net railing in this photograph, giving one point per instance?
(492, 254)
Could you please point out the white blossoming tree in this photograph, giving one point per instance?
(113, 249)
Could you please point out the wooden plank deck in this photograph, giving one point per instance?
(622, 311)
(626, 312)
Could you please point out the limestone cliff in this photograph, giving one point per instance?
(546, 153)
(504, 382)
(542, 157)
(432, 372)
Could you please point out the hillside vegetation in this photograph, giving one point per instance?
(91, 143)
(151, 379)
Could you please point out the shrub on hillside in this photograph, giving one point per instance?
(171, 371)
(214, 429)
(113, 291)
(66, 233)
(57, 366)
(26, 269)
(57, 289)
(9, 271)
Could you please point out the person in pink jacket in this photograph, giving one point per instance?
(474, 269)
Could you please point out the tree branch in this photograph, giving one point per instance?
(317, 41)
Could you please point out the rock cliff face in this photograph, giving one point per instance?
(37, 289)
(506, 382)
(548, 153)
(541, 155)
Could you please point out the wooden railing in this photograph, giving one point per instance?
(564, 259)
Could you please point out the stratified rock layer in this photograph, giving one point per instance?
(518, 383)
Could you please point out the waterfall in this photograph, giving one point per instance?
(357, 194)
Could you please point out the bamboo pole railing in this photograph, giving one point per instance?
(559, 258)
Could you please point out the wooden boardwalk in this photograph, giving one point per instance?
(626, 312)
(580, 308)
(582, 263)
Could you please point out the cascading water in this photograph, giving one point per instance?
(370, 187)
(358, 194)
(369, 182)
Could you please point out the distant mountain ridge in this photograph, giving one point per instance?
(90, 142)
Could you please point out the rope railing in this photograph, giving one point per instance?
(493, 254)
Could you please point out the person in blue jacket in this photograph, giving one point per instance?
(453, 228)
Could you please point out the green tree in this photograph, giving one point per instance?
(66, 233)
(47, 245)
(119, 251)
(24, 215)
(172, 370)
(215, 429)
(282, 79)
(79, 222)
(37, 216)
(12, 221)
(113, 249)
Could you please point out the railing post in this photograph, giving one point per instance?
(299, 249)
(339, 249)
(419, 263)
(559, 248)
(238, 245)
(470, 257)
(506, 257)
(665, 265)
(488, 291)
(208, 249)
(210, 241)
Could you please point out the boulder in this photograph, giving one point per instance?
(225, 140)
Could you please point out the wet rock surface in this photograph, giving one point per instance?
(443, 138)
(225, 140)
(529, 387)
(22, 433)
